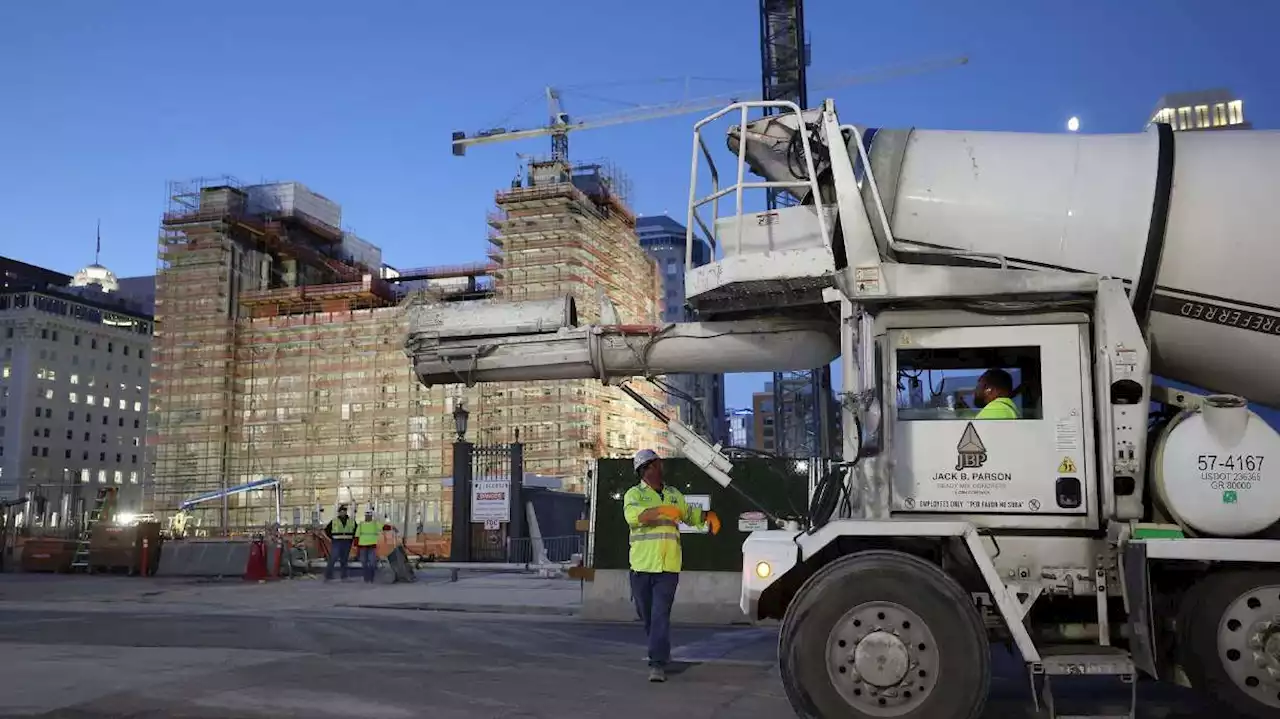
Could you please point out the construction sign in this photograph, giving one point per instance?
(1067, 466)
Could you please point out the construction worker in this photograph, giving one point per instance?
(653, 512)
(341, 530)
(367, 534)
(994, 395)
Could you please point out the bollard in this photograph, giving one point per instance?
(145, 555)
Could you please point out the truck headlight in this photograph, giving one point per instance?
(763, 570)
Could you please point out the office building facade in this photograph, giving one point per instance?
(741, 428)
(74, 374)
(1217, 109)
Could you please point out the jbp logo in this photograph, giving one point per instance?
(971, 453)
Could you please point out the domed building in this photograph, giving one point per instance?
(96, 274)
(76, 356)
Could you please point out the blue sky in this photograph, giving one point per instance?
(101, 103)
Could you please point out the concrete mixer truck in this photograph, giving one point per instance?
(1099, 524)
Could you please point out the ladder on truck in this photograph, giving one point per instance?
(103, 506)
(1087, 662)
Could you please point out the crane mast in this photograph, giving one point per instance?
(801, 400)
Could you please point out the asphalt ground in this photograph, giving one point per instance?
(204, 662)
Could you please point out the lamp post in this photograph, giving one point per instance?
(460, 415)
(460, 534)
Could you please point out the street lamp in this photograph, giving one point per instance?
(1073, 125)
(460, 415)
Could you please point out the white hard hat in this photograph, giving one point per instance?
(644, 457)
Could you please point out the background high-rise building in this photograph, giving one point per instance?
(764, 428)
(798, 390)
(74, 371)
(1217, 109)
(664, 240)
(741, 428)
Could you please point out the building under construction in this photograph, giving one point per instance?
(567, 230)
(279, 351)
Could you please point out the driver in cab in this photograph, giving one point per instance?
(994, 396)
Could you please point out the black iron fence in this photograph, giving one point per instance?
(488, 504)
(528, 550)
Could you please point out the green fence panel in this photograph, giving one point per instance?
(781, 485)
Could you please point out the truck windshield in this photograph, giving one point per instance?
(940, 383)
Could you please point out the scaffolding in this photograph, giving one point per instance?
(276, 358)
(327, 402)
(574, 237)
(273, 358)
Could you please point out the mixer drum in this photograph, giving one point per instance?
(1217, 471)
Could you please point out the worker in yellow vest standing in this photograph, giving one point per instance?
(654, 512)
(367, 545)
(341, 530)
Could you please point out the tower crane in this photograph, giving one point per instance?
(560, 123)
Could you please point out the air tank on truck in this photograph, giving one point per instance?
(1102, 527)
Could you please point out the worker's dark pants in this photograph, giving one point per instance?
(368, 557)
(341, 553)
(654, 593)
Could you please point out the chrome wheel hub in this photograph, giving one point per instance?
(882, 658)
(1249, 644)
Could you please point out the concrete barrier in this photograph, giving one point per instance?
(204, 558)
(701, 598)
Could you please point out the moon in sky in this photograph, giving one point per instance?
(1073, 124)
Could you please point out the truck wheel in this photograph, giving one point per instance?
(884, 634)
(1229, 640)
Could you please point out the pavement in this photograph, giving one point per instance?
(95, 647)
(434, 591)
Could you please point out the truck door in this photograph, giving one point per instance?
(1027, 454)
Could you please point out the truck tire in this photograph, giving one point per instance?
(1229, 640)
(884, 634)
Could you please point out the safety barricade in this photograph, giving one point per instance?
(204, 558)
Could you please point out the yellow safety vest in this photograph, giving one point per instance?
(344, 530)
(656, 547)
(999, 408)
(367, 533)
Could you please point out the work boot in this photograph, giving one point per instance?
(657, 674)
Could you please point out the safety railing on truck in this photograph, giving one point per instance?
(695, 221)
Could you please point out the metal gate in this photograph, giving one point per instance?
(488, 509)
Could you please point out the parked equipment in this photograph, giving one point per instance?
(178, 522)
(1111, 529)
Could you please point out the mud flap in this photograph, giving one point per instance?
(1137, 588)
